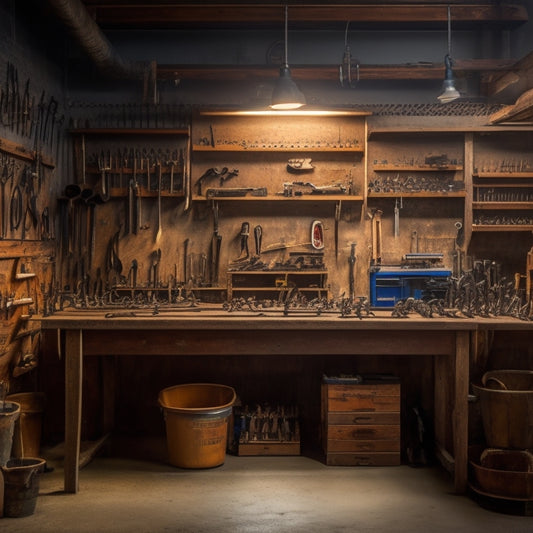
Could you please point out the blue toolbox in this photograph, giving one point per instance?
(389, 284)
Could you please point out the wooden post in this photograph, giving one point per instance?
(460, 410)
(73, 401)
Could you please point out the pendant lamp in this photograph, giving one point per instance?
(449, 93)
(286, 94)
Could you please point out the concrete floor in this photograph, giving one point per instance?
(257, 494)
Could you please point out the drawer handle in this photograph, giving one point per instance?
(363, 432)
(365, 461)
(361, 419)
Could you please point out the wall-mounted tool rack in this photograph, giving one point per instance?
(503, 182)
(122, 155)
(274, 150)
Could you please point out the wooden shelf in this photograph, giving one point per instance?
(416, 168)
(504, 175)
(288, 149)
(122, 192)
(277, 272)
(299, 113)
(130, 131)
(271, 198)
(183, 288)
(502, 205)
(278, 289)
(453, 194)
(501, 185)
(497, 227)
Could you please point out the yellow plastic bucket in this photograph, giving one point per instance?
(196, 418)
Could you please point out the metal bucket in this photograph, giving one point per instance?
(196, 417)
(21, 485)
(506, 401)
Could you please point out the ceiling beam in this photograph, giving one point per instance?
(414, 71)
(167, 15)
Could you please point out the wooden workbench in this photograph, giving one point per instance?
(216, 332)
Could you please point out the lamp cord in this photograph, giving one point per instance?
(286, 35)
(449, 31)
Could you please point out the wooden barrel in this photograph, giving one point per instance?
(506, 400)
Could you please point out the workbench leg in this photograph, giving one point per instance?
(73, 400)
(460, 412)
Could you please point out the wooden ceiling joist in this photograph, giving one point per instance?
(116, 14)
(414, 71)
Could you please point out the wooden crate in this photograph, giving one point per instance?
(267, 431)
(361, 421)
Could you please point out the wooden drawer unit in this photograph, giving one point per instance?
(361, 421)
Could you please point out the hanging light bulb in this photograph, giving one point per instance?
(286, 94)
(449, 93)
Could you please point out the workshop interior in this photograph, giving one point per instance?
(267, 229)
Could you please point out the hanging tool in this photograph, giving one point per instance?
(130, 226)
(154, 268)
(186, 272)
(458, 252)
(4, 176)
(187, 176)
(351, 271)
(317, 235)
(245, 232)
(376, 236)
(397, 206)
(216, 243)
(258, 237)
(338, 208)
(209, 173)
(159, 184)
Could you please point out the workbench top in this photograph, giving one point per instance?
(210, 317)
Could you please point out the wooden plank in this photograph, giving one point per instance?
(282, 342)
(12, 249)
(21, 152)
(521, 110)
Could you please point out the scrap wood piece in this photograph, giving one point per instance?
(521, 110)
(88, 450)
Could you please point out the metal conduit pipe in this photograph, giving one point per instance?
(84, 29)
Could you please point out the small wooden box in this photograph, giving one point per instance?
(267, 430)
(361, 421)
